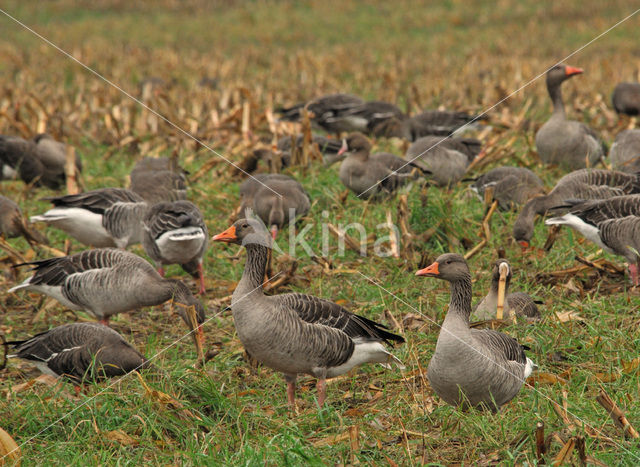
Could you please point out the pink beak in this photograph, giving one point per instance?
(274, 231)
(343, 148)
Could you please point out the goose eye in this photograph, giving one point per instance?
(244, 226)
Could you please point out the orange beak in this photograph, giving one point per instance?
(570, 71)
(431, 270)
(227, 236)
(524, 243)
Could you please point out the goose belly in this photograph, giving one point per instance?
(181, 245)
(83, 225)
(54, 291)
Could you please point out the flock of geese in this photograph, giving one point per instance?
(297, 333)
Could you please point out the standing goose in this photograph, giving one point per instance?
(512, 186)
(12, 224)
(175, 233)
(327, 111)
(622, 237)
(625, 151)
(297, 333)
(368, 175)
(626, 98)
(472, 367)
(565, 142)
(580, 184)
(518, 303)
(80, 351)
(427, 123)
(105, 217)
(107, 281)
(159, 179)
(446, 158)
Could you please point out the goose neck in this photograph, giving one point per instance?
(555, 92)
(254, 268)
(460, 304)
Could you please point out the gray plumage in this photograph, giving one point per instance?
(567, 143)
(580, 184)
(327, 111)
(625, 151)
(622, 237)
(367, 116)
(159, 179)
(101, 218)
(626, 98)
(427, 123)
(80, 352)
(512, 186)
(472, 367)
(12, 224)
(328, 147)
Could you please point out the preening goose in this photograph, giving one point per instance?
(100, 218)
(625, 151)
(626, 98)
(12, 224)
(565, 142)
(159, 179)
(369, 175)
(472, 367)
(175, 233)
(107, 281)
(277, 199)
(427, 123)
(297, 333)
(446, 158)
(580, 184)
(327, 111)
(512, 186)
(517, 303)
(80, 351)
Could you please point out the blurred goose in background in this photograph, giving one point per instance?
(80, 351)
(365, 117)
(625, 151)
(328, 111)
(100, 218)
(512, 186)
(567, 143)
(368, 175)
(622, 237)
(159, 179)
(446, 158)
(427, 123)
(12, 224)
(328, 147)
(580, 184)
(517, 303)
(107, 281)
(277, 199)
(472, 367)
(626, 98)
(297, 333)
(175, 233)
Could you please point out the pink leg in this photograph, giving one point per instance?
(291, 395)
(161, 271)
(201, 277)
(321, 386)
(633, 271)
(105, 321)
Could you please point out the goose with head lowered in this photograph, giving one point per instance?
(512, 186)
(297, 333)
(12, 224)
(326, 112)
(472, 367)
(159, 179)
(626, 98)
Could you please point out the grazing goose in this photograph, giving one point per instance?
(275, 198)
(622, 237)
(626, 98)
(12, 224)
(446, 158)
(580, 184)
(329, 149)
(80, 351)
(100, 218)
(327, 111)
(367, 116)
(565, 142)
(518, 303)
(427, 123)
(175, 233)
(297, 333)
(369, 175)
(107, 281)
(472, 367)
(625, 151)
(159, 179)
(512, 186)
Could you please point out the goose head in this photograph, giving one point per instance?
(450, 267)
(245, 232)
(355, 143)
(559, 73)
(501, 268)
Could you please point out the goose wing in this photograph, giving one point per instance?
(97, 201)
(501, 344)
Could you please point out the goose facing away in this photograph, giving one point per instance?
(12, 224)
(517, 303)
(297, 333)
(512, 186)
(625, 151)
(626, 98)
(80, 351)
(159, 179)
(568, 143)
(472, 367)
(175, 233)
(106, 217)
(107, 281)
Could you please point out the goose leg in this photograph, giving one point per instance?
(201, 278)
(161, 271)
(321, 387)
(105, 321)
(634, 270)
(291, 391)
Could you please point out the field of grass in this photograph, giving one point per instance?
(258, 55)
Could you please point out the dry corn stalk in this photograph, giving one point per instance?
(9, 450)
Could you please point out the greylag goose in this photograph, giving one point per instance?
(369, 175)
(446, 158)
(517, 303)
(580, 184)
(80, 351)
(565, 142)
(327, 111)
(472, 367)
(512, 186)
(159, 179)
(12, 224)
(175, 233)
(427, 123)
(297, 333)
(275, 198)
(625, 151)
(107, 281)
(367, 116)
(328, 147)
(626, 98)
(101, 218)
(622, 237)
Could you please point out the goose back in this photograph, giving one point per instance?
(512, 186)
(625, 151)
(446, 158)
(626, 98)
(159, 179)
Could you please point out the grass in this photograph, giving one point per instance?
(449, 54)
